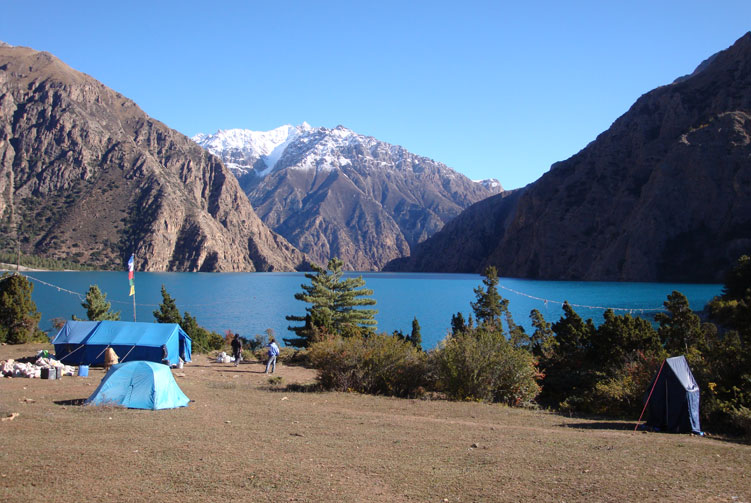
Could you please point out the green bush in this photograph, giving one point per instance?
(287, 355)
(481, 364)
(19, 318)
(618, 392)
(379, 364)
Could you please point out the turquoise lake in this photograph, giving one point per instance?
(249, 303)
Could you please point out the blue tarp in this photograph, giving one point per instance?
(84, 342)
(139, 385)
(674, 404)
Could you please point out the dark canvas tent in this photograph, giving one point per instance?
(139, 385)
(674, 401)
(84, 342)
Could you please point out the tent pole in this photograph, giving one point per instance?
(650, 396)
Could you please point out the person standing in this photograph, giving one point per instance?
(237, 349)
(273, 353)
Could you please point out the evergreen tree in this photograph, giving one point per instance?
(167, 312)
(203, 340)
(542, 342)
(19, 318)
(335, 306)
(491, 308)
(416, 337)
(489, 305)
(620, 337)
(97, 307)
(457, 323)
(729, 350)
(680, 328)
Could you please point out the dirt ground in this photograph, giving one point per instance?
(243, 438)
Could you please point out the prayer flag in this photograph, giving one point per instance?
(131, 274)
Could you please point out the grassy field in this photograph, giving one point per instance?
(245, 439)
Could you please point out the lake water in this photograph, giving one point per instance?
(249, 303)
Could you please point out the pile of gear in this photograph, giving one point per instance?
(12, 368)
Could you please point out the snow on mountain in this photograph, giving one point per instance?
(242, 148)
(492, 184)
(334, 192)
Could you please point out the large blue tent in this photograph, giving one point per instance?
(84, 342)
(673, 398)
(139, 385)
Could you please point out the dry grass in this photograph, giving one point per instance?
(245, 439)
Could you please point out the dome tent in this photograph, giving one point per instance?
(139, 384)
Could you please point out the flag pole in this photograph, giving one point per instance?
(131, 281)
(134, 290)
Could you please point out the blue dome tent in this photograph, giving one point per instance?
(139, 385)
(84, 342)
(673, 400)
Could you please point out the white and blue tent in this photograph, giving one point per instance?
(84, 342)
(139, 385)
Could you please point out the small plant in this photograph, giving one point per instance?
(275, 380)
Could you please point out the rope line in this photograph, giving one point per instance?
(82, 297)
(630, 310)
(546, 301)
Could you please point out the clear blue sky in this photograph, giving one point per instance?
(493, 89)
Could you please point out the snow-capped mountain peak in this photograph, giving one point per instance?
(242, 148)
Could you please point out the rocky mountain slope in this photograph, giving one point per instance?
(333, 192)
(86, 175)
(663, 195)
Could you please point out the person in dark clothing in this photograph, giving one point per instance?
(237, 349)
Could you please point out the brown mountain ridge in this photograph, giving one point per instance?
(86, 175)
(663, 195)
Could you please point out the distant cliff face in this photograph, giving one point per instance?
(88, 176)
(663, 195)
(336, 193)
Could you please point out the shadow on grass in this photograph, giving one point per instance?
(75, 401)
(300, 388)
(600, 425)
(235, 370)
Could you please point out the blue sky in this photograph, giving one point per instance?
(493, 89)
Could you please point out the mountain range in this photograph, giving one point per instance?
(86, 175)
(663, 195)
(337, 193)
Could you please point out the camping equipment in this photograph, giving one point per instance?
(673, 398)
(85, 342)
(139, 385)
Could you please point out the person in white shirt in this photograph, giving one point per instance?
(273, 353)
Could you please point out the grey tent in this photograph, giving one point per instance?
(673, 398)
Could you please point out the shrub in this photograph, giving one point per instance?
(481, 364)
(620, 391)
(379, 364)
(19, 317)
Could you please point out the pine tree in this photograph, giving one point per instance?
(680, 328)
(416, 337)
(19, 318)
(335, 306)
(97, 307)
(489, 305)
(167, 312)
(542, 341)
(457, 323)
